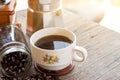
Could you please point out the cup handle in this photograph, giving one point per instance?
(81, 51)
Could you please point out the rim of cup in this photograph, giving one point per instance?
(36, 33)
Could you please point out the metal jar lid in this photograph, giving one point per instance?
(4, 2)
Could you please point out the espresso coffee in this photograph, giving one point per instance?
(53, 42)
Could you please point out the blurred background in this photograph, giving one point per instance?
(104, 12)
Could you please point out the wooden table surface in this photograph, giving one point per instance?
(103, 45)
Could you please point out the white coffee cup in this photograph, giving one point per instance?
(64, 56)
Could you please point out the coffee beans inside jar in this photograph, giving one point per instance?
(14, 63)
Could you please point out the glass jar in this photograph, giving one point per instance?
(15, 54)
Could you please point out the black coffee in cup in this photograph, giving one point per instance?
(53, 42)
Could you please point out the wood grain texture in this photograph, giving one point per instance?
(103, 45)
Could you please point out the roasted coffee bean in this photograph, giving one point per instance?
(37, 76)
(10, 78)
(41, 76)
(14, 63)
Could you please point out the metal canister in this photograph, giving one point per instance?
(44, 13)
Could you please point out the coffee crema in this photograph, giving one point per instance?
(53, 42)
